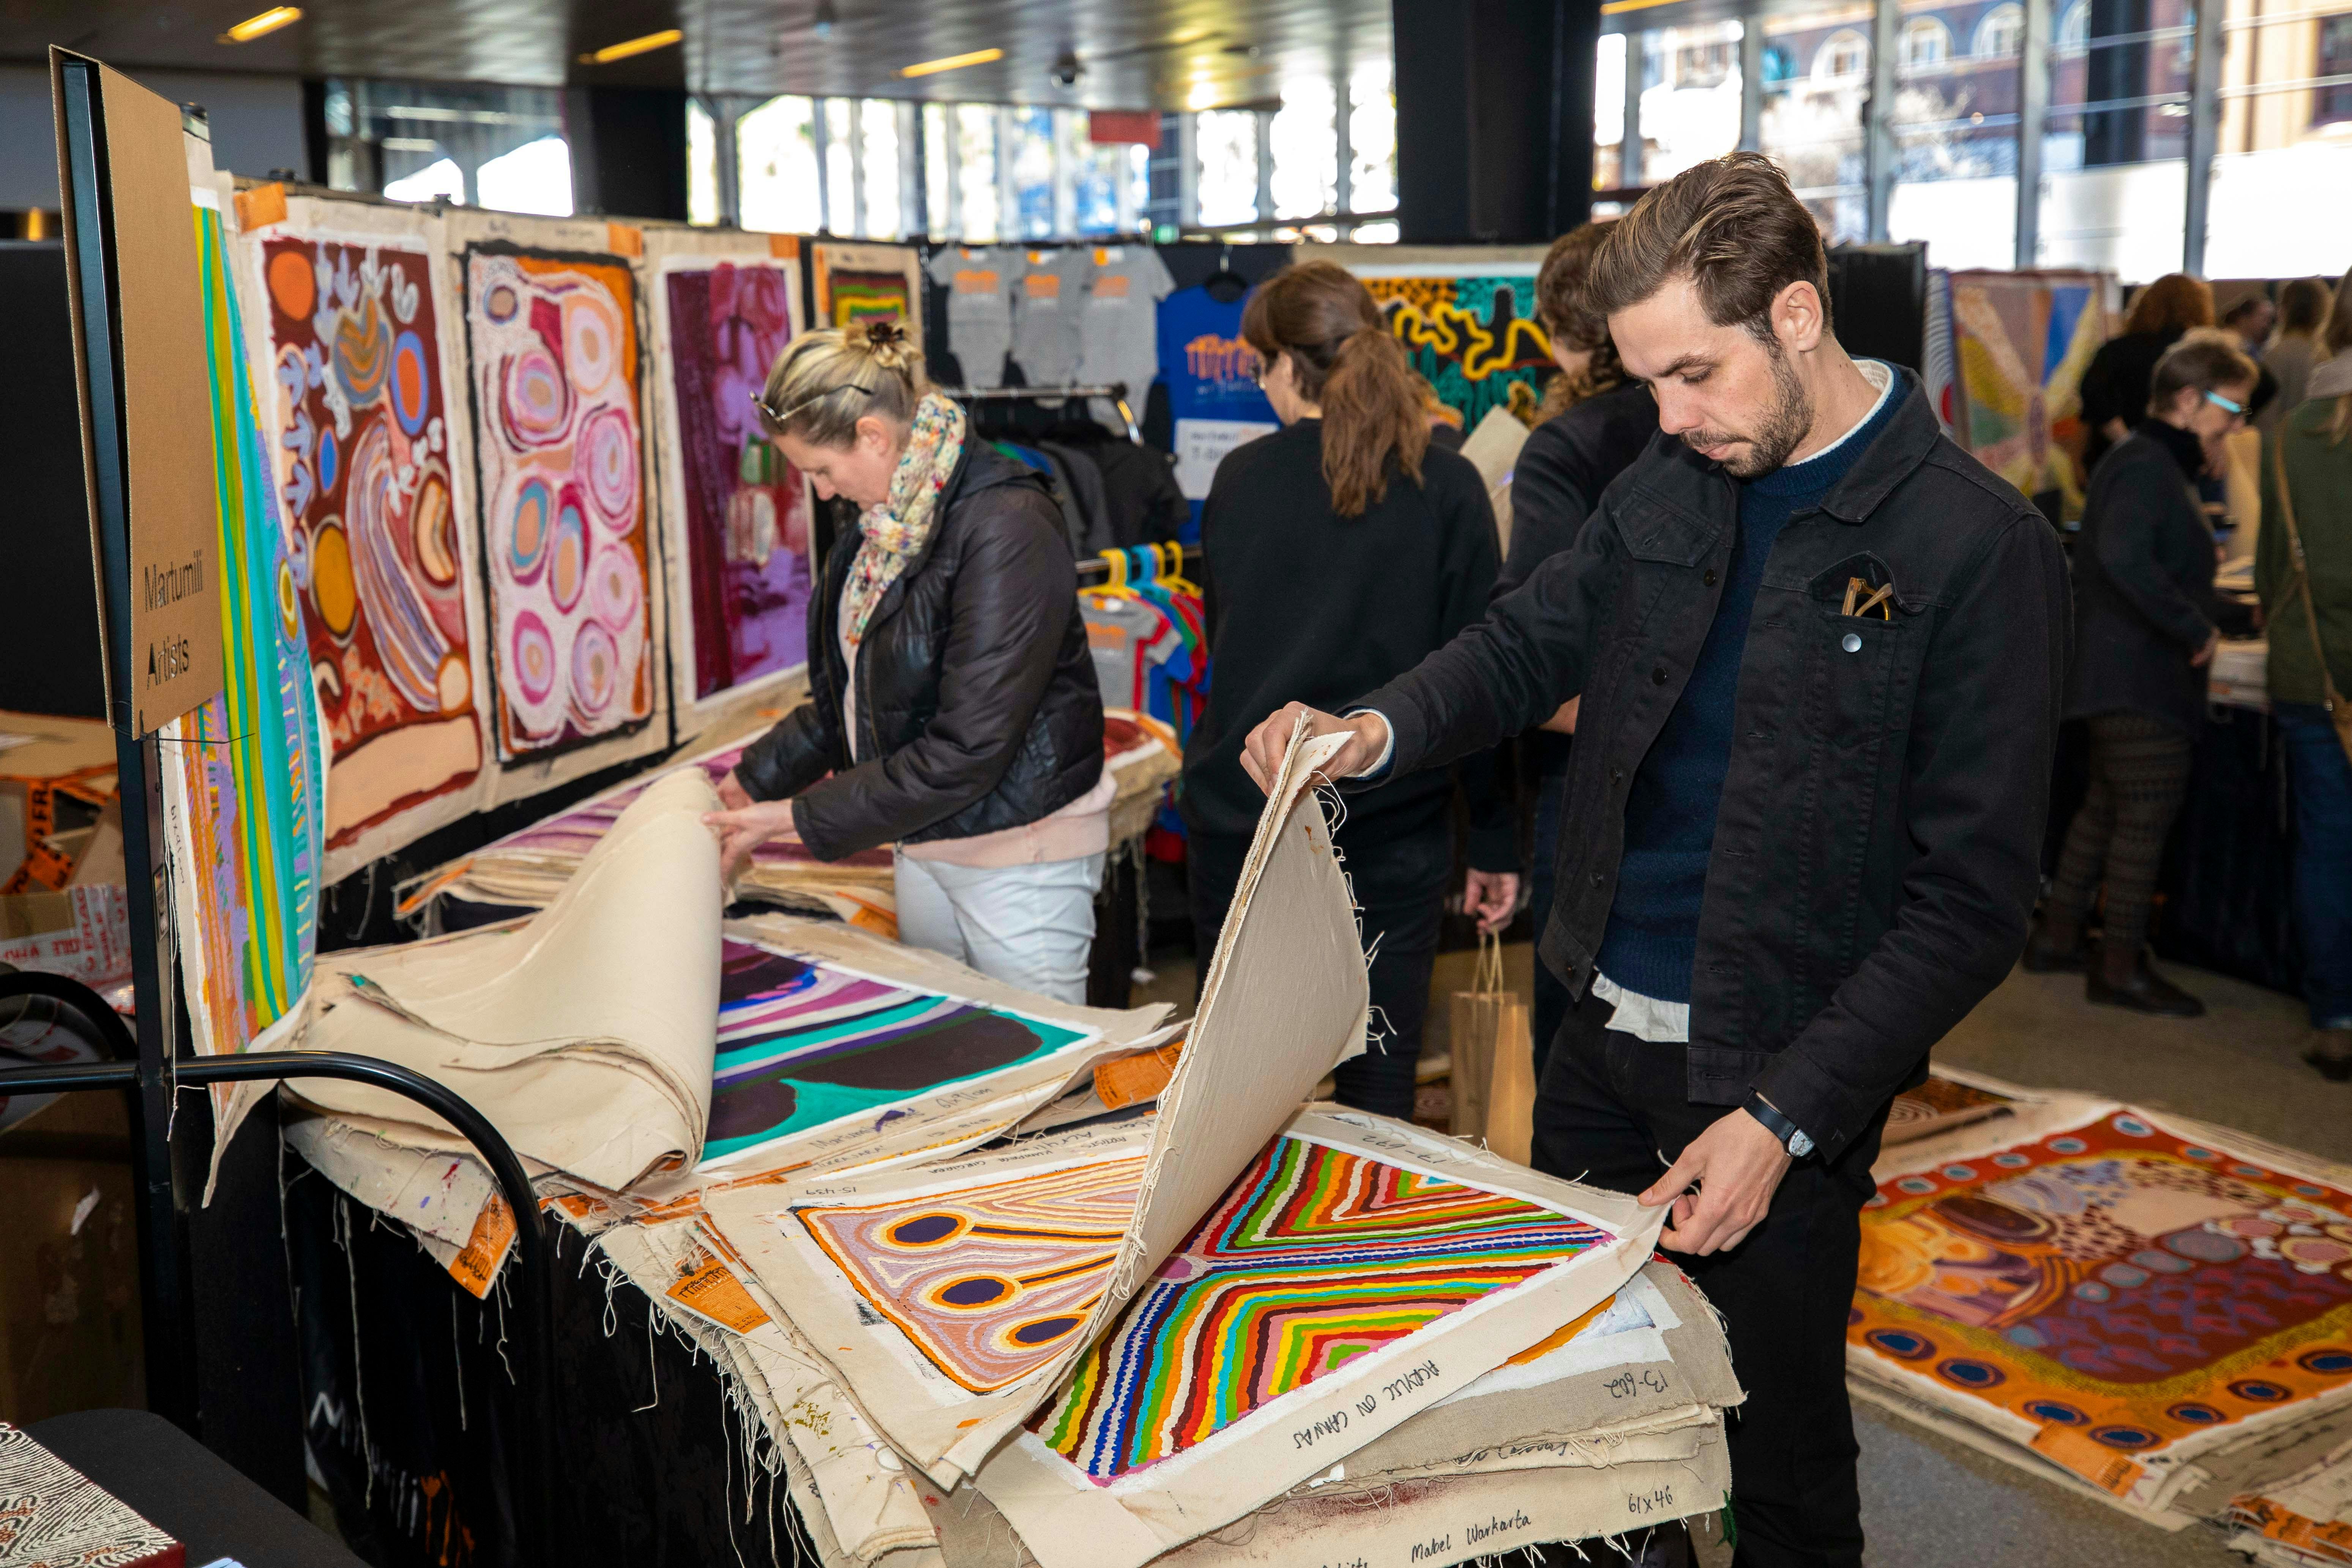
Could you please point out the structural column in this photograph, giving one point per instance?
(1478, 86)
(1881, 155)
(2032, 122)
(2204, 133)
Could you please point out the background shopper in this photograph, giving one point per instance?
(2312, 449)
(1339, 550)
(2144, 634)
(953, 699)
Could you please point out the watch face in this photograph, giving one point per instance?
(1800, 1145)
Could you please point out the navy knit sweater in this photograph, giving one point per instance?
(1670, 809)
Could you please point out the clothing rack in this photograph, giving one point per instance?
(1115, 392)
(1094, 572)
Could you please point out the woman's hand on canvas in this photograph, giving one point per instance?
(731, 793)
(744, 830)
(1492, 898)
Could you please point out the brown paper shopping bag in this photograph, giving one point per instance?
(1494, 1058)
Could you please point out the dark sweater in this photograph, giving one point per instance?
(1308, 606)
(1669, 806)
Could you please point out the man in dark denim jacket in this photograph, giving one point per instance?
(1822, 653)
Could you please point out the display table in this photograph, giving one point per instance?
(184, 1489)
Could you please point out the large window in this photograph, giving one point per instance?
(777, 170)
(499, 147)
(1227, 140)
(1956, 134)
(1816, 81)
(1371, 138)
(1690, 97)
(2114, 187)
(2286, 137)
(1305, 140)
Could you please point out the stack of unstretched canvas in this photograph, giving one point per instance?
(531, 866)
(2302, 1521)
(585, 1035)
(1215, 1328)
(2151, 1310)
(1209, 1325)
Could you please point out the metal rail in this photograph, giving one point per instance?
(533, 1253)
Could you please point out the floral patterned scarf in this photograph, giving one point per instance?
(896, 531)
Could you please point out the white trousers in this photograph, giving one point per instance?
(1030, 926)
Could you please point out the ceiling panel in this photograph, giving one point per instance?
(1168, 54)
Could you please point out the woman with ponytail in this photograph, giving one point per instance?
(953, 710)
(1342, 550)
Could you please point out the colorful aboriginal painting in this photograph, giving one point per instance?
(988, 1283)
(2118, 1287)
(746, 511)
(557, 443)
(861, 283)
(363, 464)
(802, 1044)
(1314, 1256)
(247, 766)
(1473, 339)
(2022, 341)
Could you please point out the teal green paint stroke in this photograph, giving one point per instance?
(818, 1104)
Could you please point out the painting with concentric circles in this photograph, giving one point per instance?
(2129, 1294)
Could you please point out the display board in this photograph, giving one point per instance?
(858, 283)
(734, 516)
(2023, 341)
(155, 316)
(347, 303)
(555, 361)
(1468, 325)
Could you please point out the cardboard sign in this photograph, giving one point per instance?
(148, 243)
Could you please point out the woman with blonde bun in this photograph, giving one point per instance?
(953, 710)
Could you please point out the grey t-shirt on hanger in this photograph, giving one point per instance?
(1051, 297)
(1119, 336)
(979, 285)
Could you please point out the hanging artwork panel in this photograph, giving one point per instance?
(2022, 341)
(2112, 1294)
(861, 283)
(574, 597)
(244, 770)
(1472, 335)
(734, 515)
(346, 301)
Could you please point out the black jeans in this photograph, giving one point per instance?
(1552, 998)
(1400, 885)
(1614, 1111)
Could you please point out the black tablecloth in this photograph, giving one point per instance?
(412, 1420)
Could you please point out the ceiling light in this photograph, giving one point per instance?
(954, 62)
(643, 46)
(1203, 95)
(269, 21)
(824, 18)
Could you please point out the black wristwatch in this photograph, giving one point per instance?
(1791, 1136)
